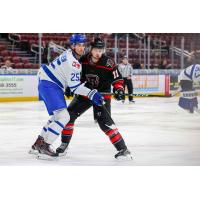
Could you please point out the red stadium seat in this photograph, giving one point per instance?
(35, 66)
(16, 59)
(7, 58)
(25, 60)
(28, 66)
(18, 65)
(13, 54)
(2, 47)
(31, 41)
(5, 53)
(24, 38)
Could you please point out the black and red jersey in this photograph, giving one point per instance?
(100, 75)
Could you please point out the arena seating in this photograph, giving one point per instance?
(18, 62)
(192, 41)
(19, 58)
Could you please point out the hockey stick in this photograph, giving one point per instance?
(106, 112)
(137, 95)
(105, 109)
(148, 95)
(179, 90)
(176, 92)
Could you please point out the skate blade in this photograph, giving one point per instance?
(46, 157)
(33, 152)
(125, 158)
(62, 154)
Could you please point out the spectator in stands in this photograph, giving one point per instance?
(126, 71)
(163, 64)
(142, 66)
(7, 66)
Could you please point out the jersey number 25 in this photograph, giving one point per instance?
(75, 76)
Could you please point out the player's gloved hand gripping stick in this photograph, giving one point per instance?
(96, 97)
(119, 94)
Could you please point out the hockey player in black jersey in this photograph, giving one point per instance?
(99, 72)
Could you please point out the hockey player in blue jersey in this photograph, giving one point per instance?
(187, 77)
(54, 78)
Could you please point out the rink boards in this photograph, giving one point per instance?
(20, 87)
(23, 87)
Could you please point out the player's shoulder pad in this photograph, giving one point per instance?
(69, 54)
(64, 56)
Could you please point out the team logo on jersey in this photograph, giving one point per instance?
(75, 64)
(110, 63)
(93, 80)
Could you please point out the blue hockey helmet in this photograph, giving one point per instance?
(77, 38)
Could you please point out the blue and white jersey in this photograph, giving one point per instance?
(65, 71)
(191, 73)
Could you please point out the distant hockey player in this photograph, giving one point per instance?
(188, 76)
(61, 73)
(99, 72)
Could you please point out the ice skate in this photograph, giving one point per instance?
(124, 154)
(62, 149)
(35, 147)
(132, 101)
(46, 153)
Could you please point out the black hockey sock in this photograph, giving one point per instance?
(120, 145)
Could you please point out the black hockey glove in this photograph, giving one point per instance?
(119, 94)
(68, 93)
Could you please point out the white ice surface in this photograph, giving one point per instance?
(156, 131)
